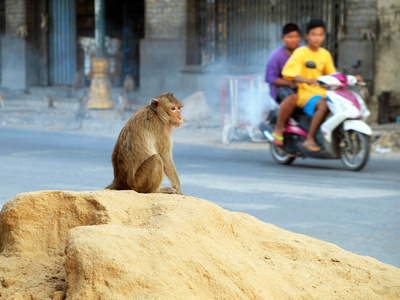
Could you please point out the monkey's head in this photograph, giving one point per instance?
(168, 108)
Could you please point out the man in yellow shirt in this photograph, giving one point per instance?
(305, 65)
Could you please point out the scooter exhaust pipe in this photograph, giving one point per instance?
(266, 132)
(268, 136)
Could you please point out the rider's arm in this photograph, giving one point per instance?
(309, 81)
(284, 82)
(274, 75)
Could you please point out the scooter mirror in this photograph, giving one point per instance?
(311, 65)
(356, 64)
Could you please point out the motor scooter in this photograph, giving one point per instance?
(343, 135)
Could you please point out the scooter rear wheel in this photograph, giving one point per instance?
(355, 156)
(280, 156)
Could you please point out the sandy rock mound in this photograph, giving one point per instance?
(124, 245)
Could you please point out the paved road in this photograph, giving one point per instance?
(358, 211)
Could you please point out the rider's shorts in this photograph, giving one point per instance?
(284, 92)
(309, 108)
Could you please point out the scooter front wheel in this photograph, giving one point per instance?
(355, 155)
(280, 156)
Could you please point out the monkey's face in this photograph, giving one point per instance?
(175, 113)
(168, 108)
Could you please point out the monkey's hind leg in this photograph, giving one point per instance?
(149, 175)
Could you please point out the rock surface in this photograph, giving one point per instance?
(125, 245)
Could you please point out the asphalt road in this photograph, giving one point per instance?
(358, 211)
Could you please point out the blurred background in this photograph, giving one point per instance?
(181, 45)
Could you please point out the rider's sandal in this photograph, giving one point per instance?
(278, 140)
(311, 147)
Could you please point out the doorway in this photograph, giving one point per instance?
(124, 27)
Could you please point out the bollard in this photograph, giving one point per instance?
(100, 86)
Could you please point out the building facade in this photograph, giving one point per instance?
(181, 45)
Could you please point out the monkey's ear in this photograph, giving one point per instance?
(154, 104)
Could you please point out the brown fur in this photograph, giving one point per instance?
(142, 152)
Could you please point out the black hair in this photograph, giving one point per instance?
(290, 27)
(314, 23)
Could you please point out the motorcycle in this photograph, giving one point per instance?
(344, 134)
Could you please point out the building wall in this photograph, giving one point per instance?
(372, 34)
(169, 56)
(15, 16)
(162, 51)
(358, 37)
(387, 57)
(165, 19)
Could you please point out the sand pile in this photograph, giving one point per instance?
(124, 245)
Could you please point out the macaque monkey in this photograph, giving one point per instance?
(205, 58)
(44, 21)
(143, 153)
(82, 103)
(49, 101)
(341, 35)
(367, 34)
(22, 31)
(79, 81)
(123, 102)
(129, 84)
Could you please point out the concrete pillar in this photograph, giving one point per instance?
(14, 63)
(163, 51)
(14, 46)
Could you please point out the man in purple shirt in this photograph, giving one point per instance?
(281, 88)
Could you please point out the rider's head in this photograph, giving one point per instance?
(315, 33)
(291, 36)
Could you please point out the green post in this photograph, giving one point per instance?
(100, 27)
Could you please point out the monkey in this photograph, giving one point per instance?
(44, 21)
(49, 101)
(341, 34)
(129, 84)
(367, 34)
(143, 150)
(123, 102)
(79, 81)
(22, 31)
(205, 58)
(82, 100)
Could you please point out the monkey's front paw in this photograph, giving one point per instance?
(168, 190)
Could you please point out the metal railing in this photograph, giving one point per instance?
(238, 32)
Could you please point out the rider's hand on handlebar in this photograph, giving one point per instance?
(359, 78)
(292, 84)
(312, 81)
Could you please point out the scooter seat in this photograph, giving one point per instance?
(303, 120)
